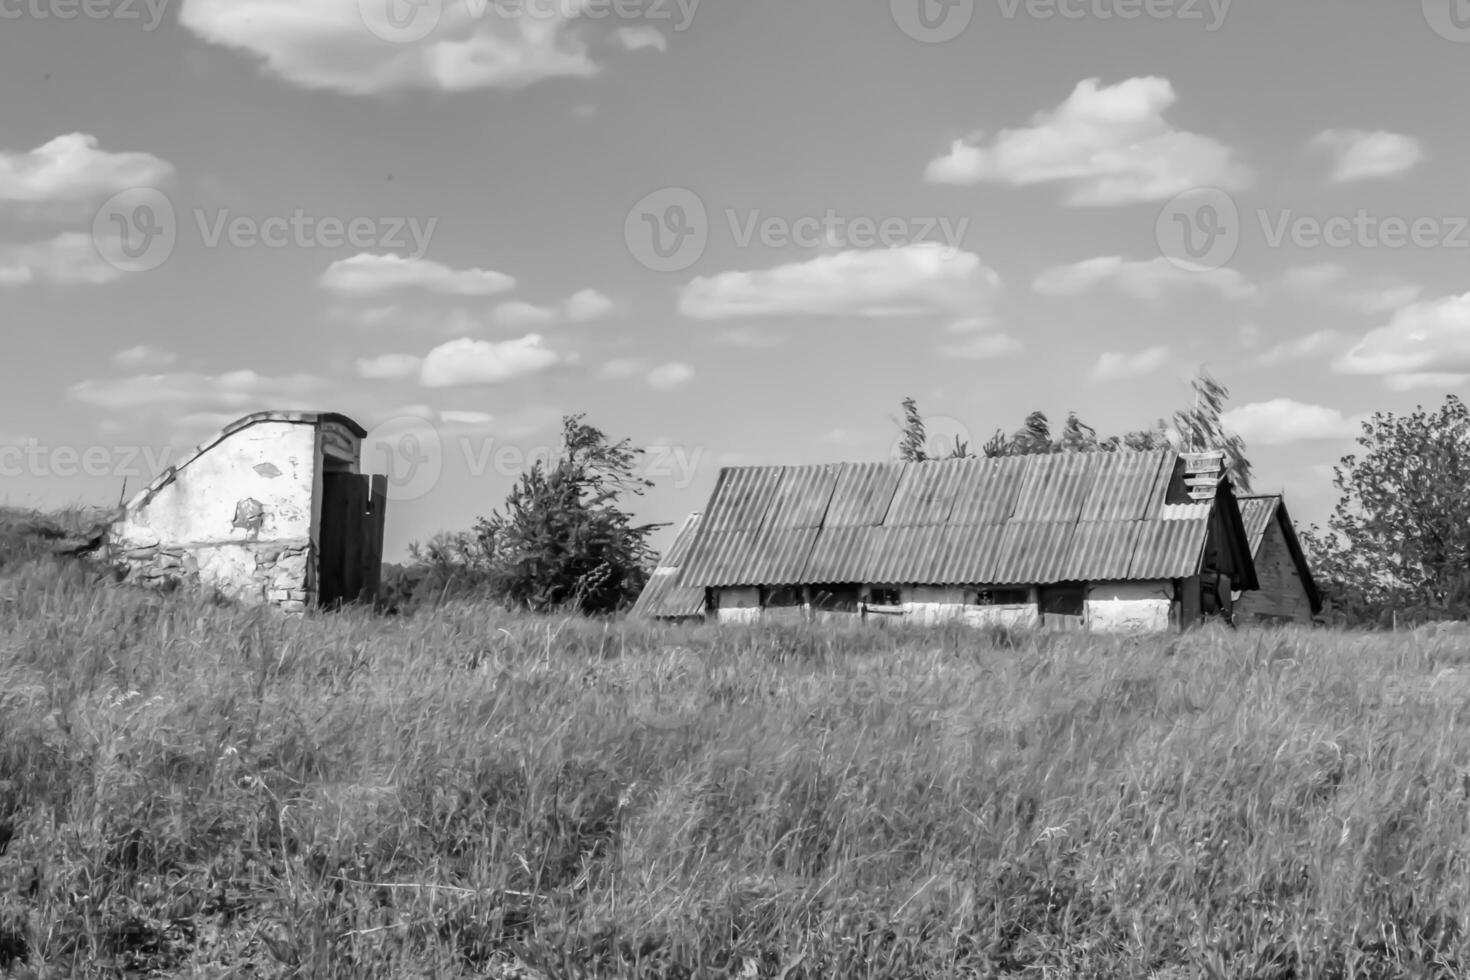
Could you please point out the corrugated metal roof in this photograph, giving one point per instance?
(1027, 520)
(1257, 513)
(664, 597)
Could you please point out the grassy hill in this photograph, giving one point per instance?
(190, 789)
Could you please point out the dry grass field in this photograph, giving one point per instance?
(188, 789)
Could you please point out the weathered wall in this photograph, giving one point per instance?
(738, 605)
(239, 517)
(1283, 595)
(1129, 607)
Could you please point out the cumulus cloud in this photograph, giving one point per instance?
(69, 259)
(352, 47)
(387, 367)
(517, 315)
(181, 392)
(478, 362)
(1108, 145)
(587, 305)
(1114, 366)
(914, 279)
(144, 358)
(1284, 421)
(1426, 339)
(1331, 285)
(1313, 344)
(673, 375)
(622, 367)
(1151, 281)
(73, 170)
(1362, 155)
(370, 275)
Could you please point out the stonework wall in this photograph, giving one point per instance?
(238, 519)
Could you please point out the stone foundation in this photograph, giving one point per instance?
(249, 572)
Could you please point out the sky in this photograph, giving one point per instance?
(732, 231)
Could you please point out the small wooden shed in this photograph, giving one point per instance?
(1288, 593)
(272, 509)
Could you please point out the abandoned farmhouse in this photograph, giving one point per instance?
(271, 510)
(1124, 541)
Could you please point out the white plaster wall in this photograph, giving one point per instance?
(186, 529)
(1011, 617)
(738, 605)
(1129, 607)
(272, 462)
(927, 605)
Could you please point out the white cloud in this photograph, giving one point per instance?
(368, 275)
(1429, 338)
(235, 392)
(983, 348)
(1284, 421)
(69, 259)
(144, 358)
(517, 315)
(641, 37)
(386, 367)
(71, 169)
(915, 279)
(674, 375)
(586, 306)
(474, 420)
(1113, 366)
(1331, 285)
(479, 362)
(1150, 281)
(1313, 344)
(1361, 155)
(1110, 145)
(327, 44)
(622, 367)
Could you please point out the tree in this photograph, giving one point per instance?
(1200, 428)
(1399, 538)
(914, 446)
(563, 540)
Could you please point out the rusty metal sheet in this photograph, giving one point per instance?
(742, 497)
(802, 497)
(1123, 486)
(990, 492)
(863, 494)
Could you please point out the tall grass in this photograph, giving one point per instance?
(192, 789)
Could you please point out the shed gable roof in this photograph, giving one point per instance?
(1257, 512)
(1023, 520)
(662, 597)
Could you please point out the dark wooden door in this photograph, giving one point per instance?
(351, 558)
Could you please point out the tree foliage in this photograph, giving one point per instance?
(561, 540)
(914, 446)
(1399, 538)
